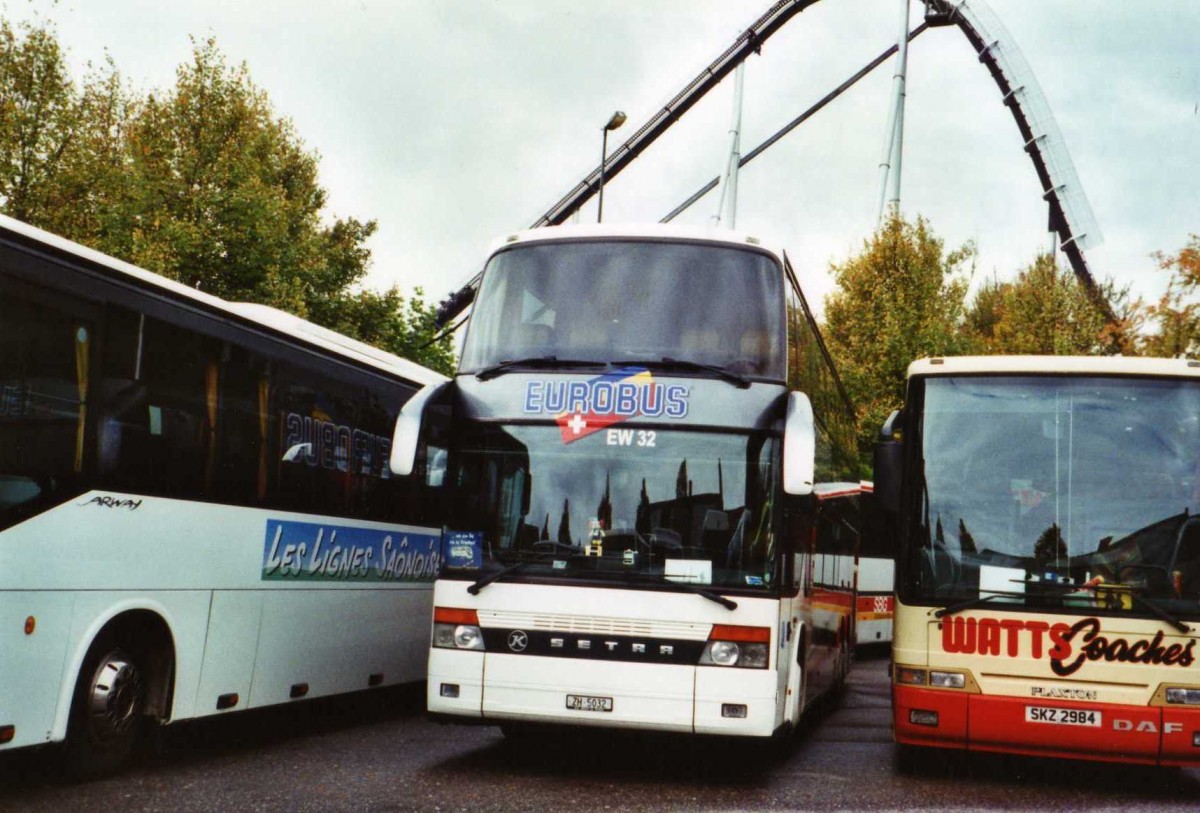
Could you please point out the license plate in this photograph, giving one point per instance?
(1055, 716)
(583, 702)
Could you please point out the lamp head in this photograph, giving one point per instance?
(618, 118)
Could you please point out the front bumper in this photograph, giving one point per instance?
(498, 687)
(1148, 735)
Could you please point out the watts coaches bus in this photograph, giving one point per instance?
(635, 426)
(196, 511)
(1048, 584)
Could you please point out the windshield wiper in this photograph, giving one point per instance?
(684, 587)
(1155, 610)
(485, 580)
(1150, 605)
(668, 363)
(973, 602)
(508, 365)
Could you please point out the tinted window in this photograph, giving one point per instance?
(621, 301)
(45, 376)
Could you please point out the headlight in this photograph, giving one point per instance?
(754, 656)
(456, 629)
(468, 637)
(731, 645)
(457, 636)
(947, 680)
(723, 653)
(1186, 697)
(911, 676)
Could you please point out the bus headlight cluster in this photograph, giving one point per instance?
(1177, 695)
(731, 645)
(456, 629)
(935, 679)
(947, 680)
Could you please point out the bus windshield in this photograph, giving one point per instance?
(627, 300)
(626, 504)
(1057, 491)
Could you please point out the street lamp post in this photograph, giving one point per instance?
(618, 118)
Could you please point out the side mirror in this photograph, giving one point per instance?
(888, 463)
(408, 430)
(799, 446)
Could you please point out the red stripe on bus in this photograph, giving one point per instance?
(876, 604)
(833, 598)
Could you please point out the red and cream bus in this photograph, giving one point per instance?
(1048, 557)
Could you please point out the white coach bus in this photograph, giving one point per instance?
(196, 511)
(646, 437)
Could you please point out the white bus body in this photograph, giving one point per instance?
(196, 515)
(647, 540)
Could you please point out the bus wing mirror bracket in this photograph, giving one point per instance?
(889, 453)
(799, 446)
(407, 436)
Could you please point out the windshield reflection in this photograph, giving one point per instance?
(601, 301)
(1072, 492)
(695, 506)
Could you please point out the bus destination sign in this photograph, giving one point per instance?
(307, 551)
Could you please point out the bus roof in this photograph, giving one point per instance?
(299, 330)
(643, 231)
(1058, 365)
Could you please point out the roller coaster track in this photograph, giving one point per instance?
(1070, 216)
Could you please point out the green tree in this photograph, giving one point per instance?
(38, 111)
(984, 316)
(201, 183)
(1045, 311)
(1176, 316)
(900, 299)
(225, 196)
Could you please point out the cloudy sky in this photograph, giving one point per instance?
(452, 122)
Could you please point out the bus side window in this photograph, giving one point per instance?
(44, 377)
(160, 391)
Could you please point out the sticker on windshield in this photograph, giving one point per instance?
(463, 550)
(582, 408)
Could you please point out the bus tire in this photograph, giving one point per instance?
(106, 711)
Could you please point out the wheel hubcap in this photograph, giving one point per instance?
(114, 699)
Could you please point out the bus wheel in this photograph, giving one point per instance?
(106, 712)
